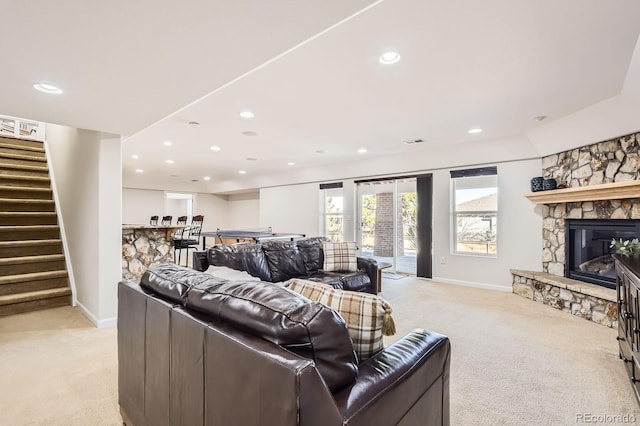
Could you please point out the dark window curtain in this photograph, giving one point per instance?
(424, 257)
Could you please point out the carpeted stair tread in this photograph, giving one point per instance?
(23, 157)
(24, 177)
(28, 243)
(23, 188)
(22, 167)
(19, 228)
(26, 214)
(31, 259)
(5, 144)
(22, 142)
(32, 276)
(34, 295)
(26, 201)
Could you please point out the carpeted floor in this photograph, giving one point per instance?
(514, 362)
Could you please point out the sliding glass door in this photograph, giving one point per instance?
(387, 216)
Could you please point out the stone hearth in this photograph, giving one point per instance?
(585, 300)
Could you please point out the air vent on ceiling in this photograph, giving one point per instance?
(411, 142)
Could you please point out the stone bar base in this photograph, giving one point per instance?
(584, 300)
(144, 247)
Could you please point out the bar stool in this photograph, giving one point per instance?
(166, 220)
(153, 220)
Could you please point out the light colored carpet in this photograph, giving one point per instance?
(514, 362)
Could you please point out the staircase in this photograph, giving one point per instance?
(32, 266)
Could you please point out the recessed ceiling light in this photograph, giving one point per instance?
(207, 178)
(247, 114)
(242, 172)
(362, 151)
(169, 161)
(139, 171)
(389, 58)
(291, 163)
(215, 148)
(321, 151)
(167, 143)
(475, 130)
(135, 156)
(194, 124)
(250, 133)
(540, 117)
(47, 88)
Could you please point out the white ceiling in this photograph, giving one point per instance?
(309, 71)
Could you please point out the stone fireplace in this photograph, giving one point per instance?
(614, 162)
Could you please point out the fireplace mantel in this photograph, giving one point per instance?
(605, 191)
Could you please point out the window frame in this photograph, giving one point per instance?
(325, 194)
(492, 215)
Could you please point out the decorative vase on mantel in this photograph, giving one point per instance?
(536, 184)
(548, 184)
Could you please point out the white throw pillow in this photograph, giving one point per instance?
(229, 274)
(340, 256)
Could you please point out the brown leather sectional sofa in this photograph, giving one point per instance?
(277, 261)
(197, 350)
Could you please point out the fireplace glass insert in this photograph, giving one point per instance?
(588, 255)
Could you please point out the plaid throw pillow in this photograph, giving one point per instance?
(340, 256)
(368, 317)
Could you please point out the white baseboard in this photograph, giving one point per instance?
(104, 323)
(473, 284)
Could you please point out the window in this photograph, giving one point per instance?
(475, 211)
(331, 211)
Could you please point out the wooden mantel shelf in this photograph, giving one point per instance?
(605, 191)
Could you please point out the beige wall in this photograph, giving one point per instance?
(86, 168)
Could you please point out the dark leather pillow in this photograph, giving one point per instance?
(284, 259)
(276, 314)
(172, 282)
(312, 254)
(242, 257)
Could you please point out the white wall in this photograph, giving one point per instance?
(519, 231)
(214, 209)
(243, 211)
(86, 167)
(138, 205)
(295, 208)
(292, 208)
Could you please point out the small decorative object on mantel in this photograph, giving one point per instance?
(548, 184)
(536, 184)
(626, 247)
